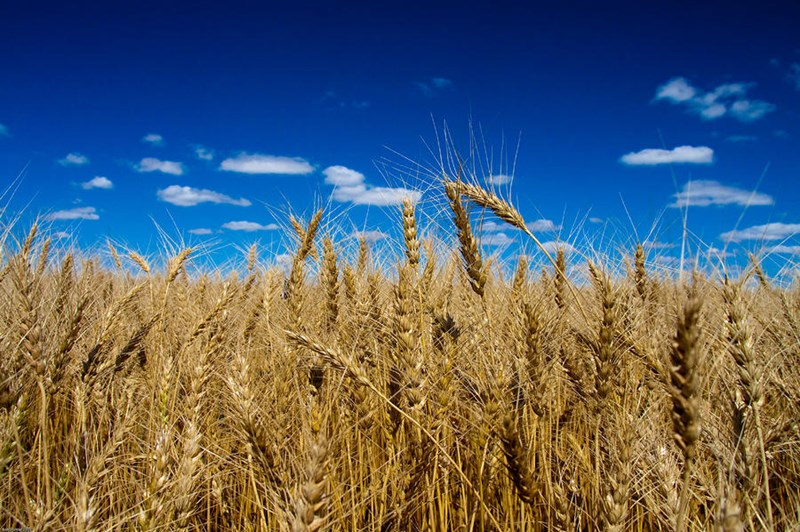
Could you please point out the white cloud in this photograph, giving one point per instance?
(60, 235)
(370, 236)
(596, 220)
(542, 226)
(200, 231)
(352, 188)
(98, 182)
(497, 239)
(491, 227)
(657, 245)
(676, 90)
(151, 164)
(726, 99)
(74, 159)
(498, 179)
(4, 131)
(707, 193)
(552, 247)
(189, 197)
(771, 231)
(203, 153)
(341, 176)
(249, 226)
(785, 250)
(681, 154)
(79, 213)
(256, 163)
(154, 139)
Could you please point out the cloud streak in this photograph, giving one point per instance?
(189, 197)
(153, 139)
(708, 193)
(433, 86)
(678, 155)
(151, 164)
(78, 213)
(728, 99)
(771, 231)
(249, 226)
(256, 163)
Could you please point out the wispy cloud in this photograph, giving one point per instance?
(679, 155)
(434, 85)
(98, 182)
(201, 231)
(60, 235)
(785, 250)
(351, 187)
(727, 99)
(497, 239)
(153, 139)
(189, 197)
(151, 164)
(4, 131)
(74, 159)
(771, 231)
(370, 236)
(652, 244)
(256, 163)
(498, 179)
(78, 213)
(249, 226)
(203, 153)
(542, 226)
(332, 100)
(707, 193)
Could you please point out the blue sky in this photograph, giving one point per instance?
(210, 120)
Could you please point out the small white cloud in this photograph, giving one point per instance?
(189, 197)
(151, 164)
(657, 245)
(370, 236)
(596, 220)
(726, 99)
(681, 154)
(79, 213)
(785, 250)
(491, 227)
(771, 231)
(256, 163)
(200, 231)
(497, 239)
(249, 226)
(4, 131)
(61, 235)
(74, 159)
(203, 153)
(341, 176)
(542, 226)
(751, 110)
(707, 193)
(98, 182)
(552, 247)
(351, 188)
(153, 139)
(284, 261)
(498, 179)
(676, 90)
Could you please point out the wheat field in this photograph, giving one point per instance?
(345, 392)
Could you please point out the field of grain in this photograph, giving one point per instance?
(345, 393)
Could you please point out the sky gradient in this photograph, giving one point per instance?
(604, 124)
